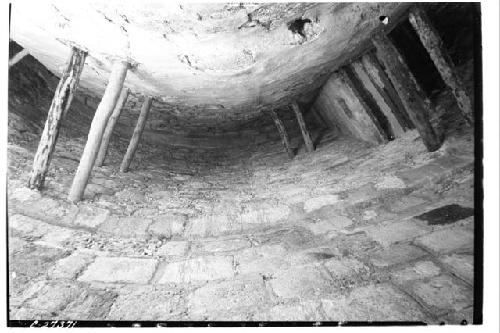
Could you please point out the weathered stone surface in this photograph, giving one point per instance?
(333, 223)
(222, 245)
(69, 267)
(89, 305)
(303, 311)
(301, 282)
(90, 216)
(263, 259)
(54, 297)
(198, 269)
(120, 269)
(168, 225)
(461, 265)
(126, 226)
(373, 303)
(443, 293)
(418, 271)
(318, 202)
(147, 303)
(23, 194)
(174, 248)
(389, 233)
(228, 296)
(390, 182)
(396, 254)
(447, 240)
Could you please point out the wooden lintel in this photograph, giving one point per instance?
(99, 122)
(139, 128)
(58, 109)
(411, 94)
(103, 150)
(283, 134)
(19, 56)
(302, 124)
(434, 45)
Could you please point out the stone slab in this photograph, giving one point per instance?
(373, 303)
(120, 269)
(442, 294)
(396, 254)
(198, 269)
(447, 240)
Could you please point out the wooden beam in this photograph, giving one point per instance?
(302, 124)
(101, 117)
(18, 57)
(283, 134)
(58, 109)
(134, 141)
(412, 96)
(439, 55)
(103, 150)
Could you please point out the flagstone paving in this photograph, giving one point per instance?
(263, 238)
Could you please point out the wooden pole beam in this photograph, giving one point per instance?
(18, 57)
(439, 55)
(283, 134)
(58, 109)
(139, 128)
(412, 96)
(103, 150)
(101, 117)
(302, 124)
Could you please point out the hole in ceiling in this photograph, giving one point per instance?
(384, 19)
(297, 26)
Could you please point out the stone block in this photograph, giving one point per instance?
(54, 297)
(168, 225)
(302, 311)
(90, 216)
(156, 303)
(198, 269)
(389, 182)
(460, 264)
(120, 269)
(126, 226)
(173, 248)
(417, 271)
(261, 260)
(89, 305)
(318, 202)
(227, 296)
(442, 294)
(447, 240)
(373, 303)
(396, 254)
(301, 282)
(389, 233)
(69, 267)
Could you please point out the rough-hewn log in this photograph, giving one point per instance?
(283, 134)
(18, 57)
(302, 124)
(101, 117)
(134, 141)
(439, 55)
(58, 109)
(412, 96)
(103, 150)
(386, 89)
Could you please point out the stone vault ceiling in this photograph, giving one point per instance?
(209, 58)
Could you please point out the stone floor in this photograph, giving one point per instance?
(337, 234)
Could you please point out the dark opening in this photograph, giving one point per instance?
(408, 43)
(297, 26)
(373, 109)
